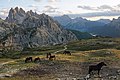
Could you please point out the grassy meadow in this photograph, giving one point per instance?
(71, 67)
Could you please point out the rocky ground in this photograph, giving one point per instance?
(65, 70)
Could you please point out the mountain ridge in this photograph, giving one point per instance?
(33, 30)
(79, 23)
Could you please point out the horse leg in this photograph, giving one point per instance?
(50, 59)
(39, 60)
(31, 60)
(90, 70)
(98, 73)
(25, 61)
(47, 56)
(54, 58)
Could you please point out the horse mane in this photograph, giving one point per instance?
(100, 64)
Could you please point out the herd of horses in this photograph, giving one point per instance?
(48, 55)
(92, 68)
(30, 59)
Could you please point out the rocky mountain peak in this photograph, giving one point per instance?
(33, 30)
(31, 13)
(16, 15)
(16, 9)
(66, 16)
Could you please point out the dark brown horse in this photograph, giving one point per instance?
(37, 59)
(96, 67)
(67, 52)
(28, 59)
(48, 54)
(52, 57)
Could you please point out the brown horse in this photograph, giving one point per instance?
(37, 59)
(96, 67)
(48, 54)
(28, 59)
(67, 52)
(52, 57)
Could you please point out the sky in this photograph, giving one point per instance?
(90, 9)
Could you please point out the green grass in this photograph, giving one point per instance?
(91, 50)
(93, 44)
(101, 53)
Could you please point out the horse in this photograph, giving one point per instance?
(28, 59)
(52, 57)
(97, 67)
(37, 59)
(67, 52)
(48, 54)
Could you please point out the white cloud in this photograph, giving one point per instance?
(33, 7)
(37, 0)
(50, 9)
(53, 0)
(118, 5)
(101, 8)
(48, 0)
(87, 7)
(97, 14)
(104, 7)
(4, 12)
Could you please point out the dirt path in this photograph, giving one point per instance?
(65, 48)
(1, 64)
(2, 75)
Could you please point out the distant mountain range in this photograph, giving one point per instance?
(75, 25)
(103, 27)
(106, 21)
(28, 29)
(111, 29)
(79, 23)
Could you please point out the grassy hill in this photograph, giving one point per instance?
(84, 53)
(81, 35)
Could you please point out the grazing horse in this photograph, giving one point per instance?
(52, 57)
(48, 54)
(67, 52)
(37, 59)
(96, 67)
(28, 59)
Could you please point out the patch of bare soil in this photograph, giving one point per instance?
(65, 70)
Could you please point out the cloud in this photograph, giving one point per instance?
(104, 7)
(50, 9)
(53, 0)
(33, 7)
(96, 14)
(87, 7)
(101, 8)
(2, 16)
(47, 0)
(37, 0)
(4, 10)
(118, 5)
(3, 13)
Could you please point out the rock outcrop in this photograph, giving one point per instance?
(28, 29)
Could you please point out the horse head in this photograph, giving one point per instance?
(103, 64)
